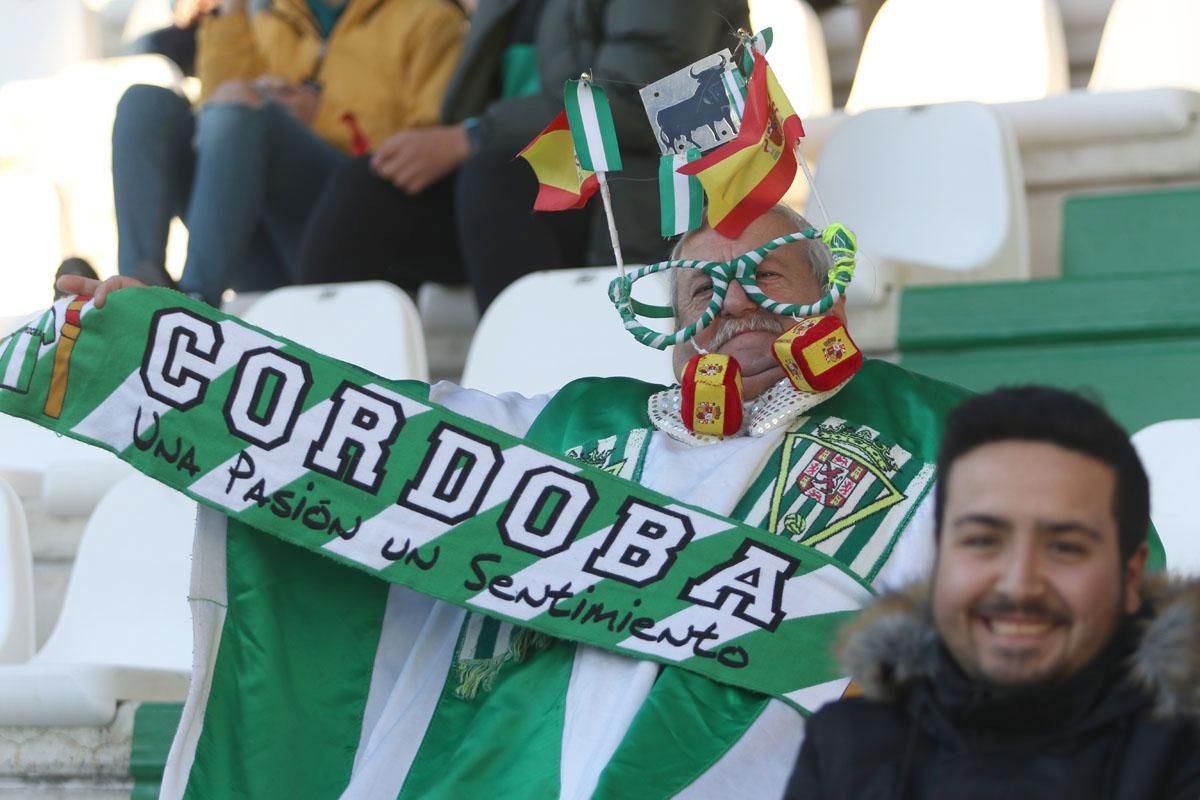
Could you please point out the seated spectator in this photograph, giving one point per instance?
(178, 40)
(448, 204)
(284, 95)
(1041, 663)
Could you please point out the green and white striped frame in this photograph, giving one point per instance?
(838, 238)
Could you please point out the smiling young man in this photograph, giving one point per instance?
(1041, 662)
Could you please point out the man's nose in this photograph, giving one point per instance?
(1021, 575)
(737, 303)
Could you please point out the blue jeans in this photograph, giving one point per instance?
(244, 190)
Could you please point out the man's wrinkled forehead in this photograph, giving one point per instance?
(706, 244)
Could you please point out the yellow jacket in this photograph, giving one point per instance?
(387, 61)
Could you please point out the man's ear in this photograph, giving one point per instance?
(1135, 571)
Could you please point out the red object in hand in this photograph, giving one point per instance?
(359, 143)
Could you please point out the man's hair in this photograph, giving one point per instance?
(1052, 416)
(819, 257)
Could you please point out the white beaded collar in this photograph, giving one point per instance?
(776, 407)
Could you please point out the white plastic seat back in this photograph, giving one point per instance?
(1148, 44)
(125, 629)
(60, 128)
(17, 635)
(68, 476)
(934, 193)
(42, 37)
(548, 328)
(798, 55)
(938, 51)
(372, 324)
(31, 246)
(1166, 450)
(127, 601)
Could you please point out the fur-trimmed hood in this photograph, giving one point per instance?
(893, 643)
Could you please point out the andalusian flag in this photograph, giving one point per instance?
(681, 197)
(760, 43)
(735, 90)
(744, 177)
(563, 183)
(592, 126)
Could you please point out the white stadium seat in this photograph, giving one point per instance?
(125, 629)
(69, 477)
(371, 324)
(16, 581)
(31, 250)
(1167, 449)
(937, 51)
(60, 128)
(52, 34)
(935, 195)
(551, 327)
(1149, 44)
(937, 191)
(798, 54)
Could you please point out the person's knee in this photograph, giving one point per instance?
(236, 92)
(229, 123)
(151, 103)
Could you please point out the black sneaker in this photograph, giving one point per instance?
(153, 275)
(73, 266)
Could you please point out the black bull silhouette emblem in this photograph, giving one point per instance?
(707, 106)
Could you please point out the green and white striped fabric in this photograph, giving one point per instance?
(681, 197)
(19, 352)
(365, 471)
(347, 676)
(735, 90)
(759, 43)
(592, 129)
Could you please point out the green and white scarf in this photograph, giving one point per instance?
(329, 459)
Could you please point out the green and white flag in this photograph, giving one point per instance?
(592, 129)
(681, 197)
(759, 43)
(735, 90)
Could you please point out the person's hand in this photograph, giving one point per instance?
(188, 11)
(301, 99)
(99, 290)
(412, 160)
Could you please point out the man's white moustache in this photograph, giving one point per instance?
(731, 328)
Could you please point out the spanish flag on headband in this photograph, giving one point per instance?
(747, 175)
(563, 184)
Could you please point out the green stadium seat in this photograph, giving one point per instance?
(1133, 233)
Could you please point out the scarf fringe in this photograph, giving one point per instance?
(479, 674)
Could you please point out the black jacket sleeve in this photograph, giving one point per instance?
(626, 44)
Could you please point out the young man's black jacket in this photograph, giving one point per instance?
(1127, 726)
